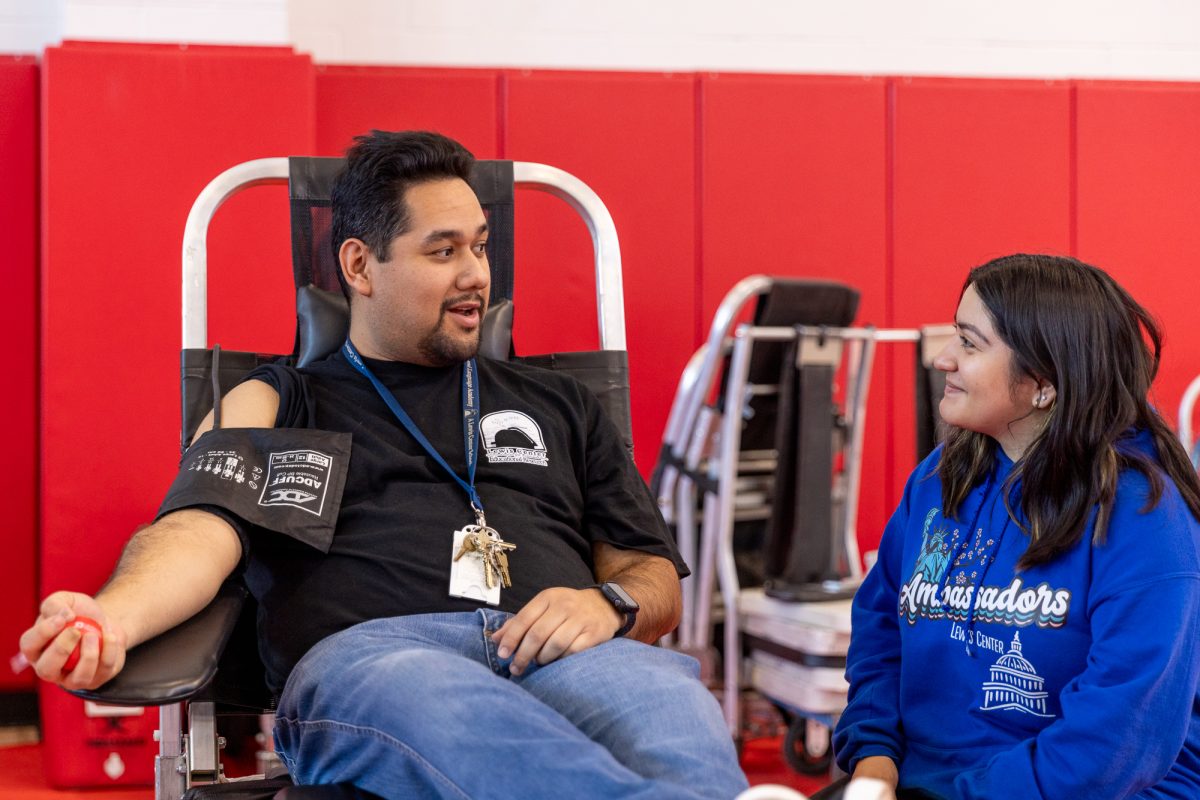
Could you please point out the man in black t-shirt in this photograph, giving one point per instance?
(530, 673)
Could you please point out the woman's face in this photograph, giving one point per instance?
(981, 394)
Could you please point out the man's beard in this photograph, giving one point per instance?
(441, 348)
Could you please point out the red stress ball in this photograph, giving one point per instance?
(83, 625)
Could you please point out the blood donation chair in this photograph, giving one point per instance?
(211, 661)
(760, 462)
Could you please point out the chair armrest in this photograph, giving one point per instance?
(175, 665)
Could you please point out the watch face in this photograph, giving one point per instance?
(619, 597)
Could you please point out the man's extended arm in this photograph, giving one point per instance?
(168, 572)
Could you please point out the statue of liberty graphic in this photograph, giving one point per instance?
(933, 558)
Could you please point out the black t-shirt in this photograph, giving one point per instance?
(552, 474)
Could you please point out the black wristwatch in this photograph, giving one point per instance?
(622, 602)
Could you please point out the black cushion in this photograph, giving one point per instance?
(175, 665)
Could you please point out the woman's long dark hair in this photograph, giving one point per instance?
(1071, 324)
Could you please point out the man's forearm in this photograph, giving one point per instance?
(170, 571)
(651, 581)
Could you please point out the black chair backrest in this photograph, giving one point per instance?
(798, 541)
(930, 385)
(790, 302)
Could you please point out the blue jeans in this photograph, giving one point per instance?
(421, 706)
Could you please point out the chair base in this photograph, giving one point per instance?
(280, 788)
(261, 789)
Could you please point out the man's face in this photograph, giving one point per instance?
(428, 299)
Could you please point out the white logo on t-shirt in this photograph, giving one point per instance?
(511, 437)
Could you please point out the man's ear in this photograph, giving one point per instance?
(354, 257)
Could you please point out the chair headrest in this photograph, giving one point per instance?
(805, 301)
(322, 322)
(798, 301)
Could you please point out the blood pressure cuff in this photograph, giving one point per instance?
(287, 480)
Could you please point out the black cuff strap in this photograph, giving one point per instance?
(288, 480)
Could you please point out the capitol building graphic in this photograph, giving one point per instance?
(1015, 684)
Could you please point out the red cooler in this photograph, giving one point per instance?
(87, 744)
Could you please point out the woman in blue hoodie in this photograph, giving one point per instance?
(1030, 629)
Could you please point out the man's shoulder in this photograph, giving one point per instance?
(523, 375)
(284, 373)
(298, 388)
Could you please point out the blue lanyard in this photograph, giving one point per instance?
(470, 407)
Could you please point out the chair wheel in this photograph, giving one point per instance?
(807, 747)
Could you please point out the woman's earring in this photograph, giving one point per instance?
(1041, 398)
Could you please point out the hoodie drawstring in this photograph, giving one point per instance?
(961, 548)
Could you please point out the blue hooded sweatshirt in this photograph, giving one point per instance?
(1072, 679)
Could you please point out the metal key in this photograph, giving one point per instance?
(471, 544)
(495, 555)
(501, 558)
(490, 574)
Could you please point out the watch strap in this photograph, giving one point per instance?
(621, 606)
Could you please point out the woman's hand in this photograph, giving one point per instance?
(879, 767)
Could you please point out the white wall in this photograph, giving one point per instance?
(1029, 38)
(209, 21)
(1154, 39)
(29, 26)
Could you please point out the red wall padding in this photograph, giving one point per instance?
(630, 138)
(461, 103)
(793, 182)
(1139, 207)
(18, 330)
(981, 169)
(131, 134)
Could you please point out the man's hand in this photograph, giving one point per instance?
(50, 641)
(555, 623)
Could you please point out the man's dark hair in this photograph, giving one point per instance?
(368, 195)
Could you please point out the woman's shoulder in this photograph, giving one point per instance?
(1143, 485)
(924, 485)
(1148, 537)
